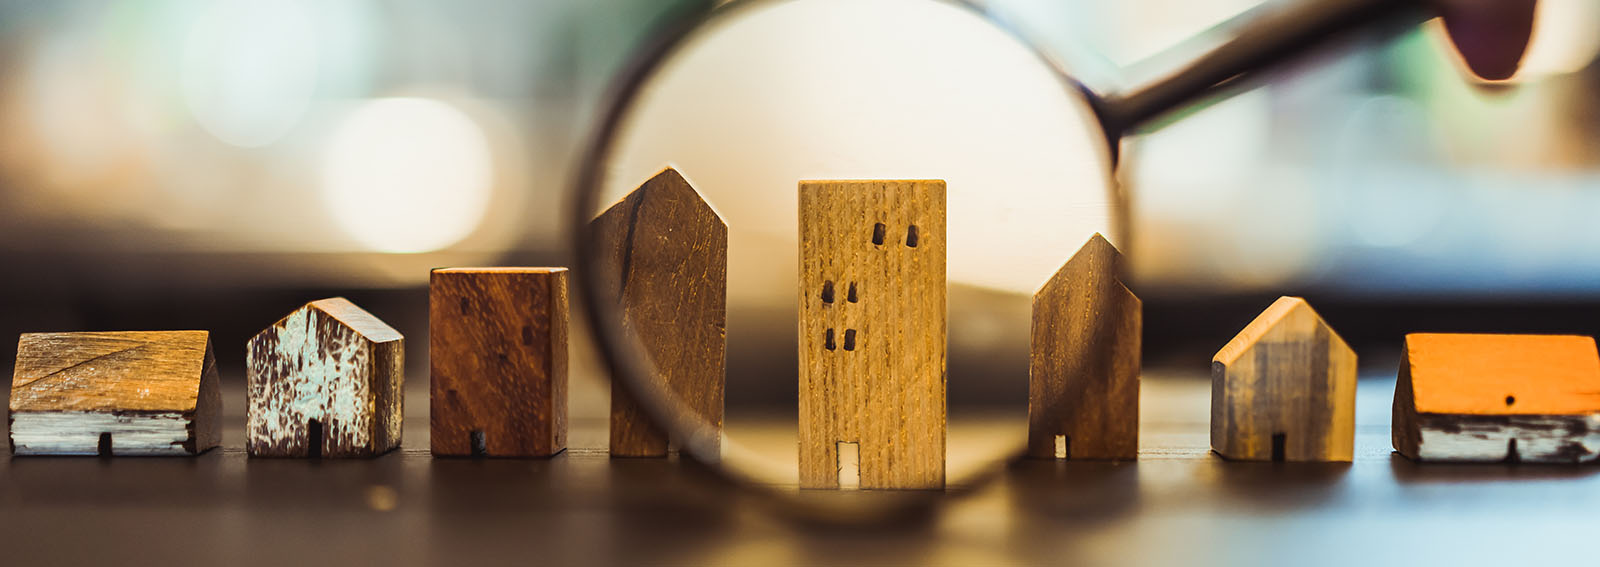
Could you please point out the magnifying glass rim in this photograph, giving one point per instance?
(629, 370)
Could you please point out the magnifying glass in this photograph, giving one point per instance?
(742, 101)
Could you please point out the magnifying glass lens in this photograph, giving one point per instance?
(766, 94)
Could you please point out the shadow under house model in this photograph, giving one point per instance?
(115, 393)
(1083, 364)
(664, 252)
(1284, 389)
(872, 333)
(498, 351)
(326, 381)
(1498, 398)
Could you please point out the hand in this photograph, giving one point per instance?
(1491, 35)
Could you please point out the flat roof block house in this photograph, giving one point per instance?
(664, 262)
(498, 350)
(1493, 398)
(326, 381)
(1083, 363)
(140, 393)
(1284, 389)
(872, 334)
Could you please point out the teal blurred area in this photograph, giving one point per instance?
(1387, 171)
(297, 143)
(187, 129)
(213, 164)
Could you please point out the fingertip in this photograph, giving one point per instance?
(1492, 36)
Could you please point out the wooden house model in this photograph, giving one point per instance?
(1494, 398)
(1083, 363)
(1284, 389)
(665, 262)
(872, 333)
(115, 393)
(497, 347)
(326, 381)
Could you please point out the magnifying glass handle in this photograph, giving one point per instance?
(1277, 34)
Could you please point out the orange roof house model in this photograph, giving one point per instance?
(1489, 398)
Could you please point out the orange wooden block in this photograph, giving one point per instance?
(1487, 398)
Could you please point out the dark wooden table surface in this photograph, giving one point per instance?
(1179, 505)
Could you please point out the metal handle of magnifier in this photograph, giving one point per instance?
(1265, 38)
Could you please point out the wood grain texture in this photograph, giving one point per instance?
(1084, 360)
(1492, 398)
(325, 381)
(498, 350)
(153, 392)
(872, 331)
(1284, 389)
(665, 260)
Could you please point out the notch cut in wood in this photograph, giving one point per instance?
(314, 439)
(498, 352)
(872, 370)
(1498, 398)
(849, 465)
(115, 394)
(1284, 389)
(665, 255)
(1084, 360)
(326, 381)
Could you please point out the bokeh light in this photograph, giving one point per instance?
(250, 69)
(407, 175)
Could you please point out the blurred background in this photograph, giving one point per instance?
(216, 164)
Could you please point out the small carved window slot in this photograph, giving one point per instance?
(911, 236)
(1280, 442)
(1063, 447)
(878, 233)
(104, 449)
(850, 339)
(851, 295)
(314, 439)
(827, 291)
(827, 340)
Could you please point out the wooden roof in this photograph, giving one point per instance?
(1286, 318)
(157, 371)
(343, 311)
